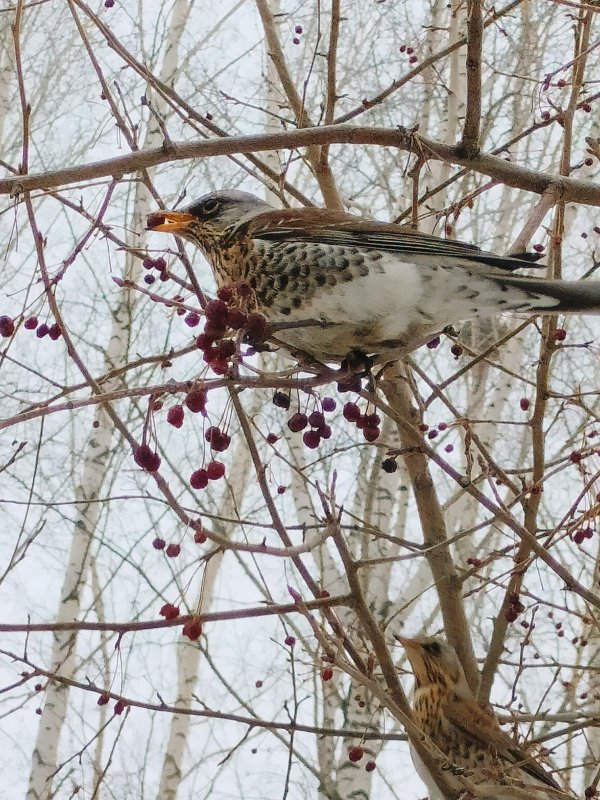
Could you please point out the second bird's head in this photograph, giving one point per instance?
(205, 221)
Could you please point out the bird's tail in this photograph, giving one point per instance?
(558, 297)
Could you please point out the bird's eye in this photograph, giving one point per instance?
(211, 206)
(433, 648)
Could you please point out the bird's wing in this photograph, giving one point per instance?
(335, 228)
(483, 728)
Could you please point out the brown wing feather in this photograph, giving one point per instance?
(483, 728)
(337, 228)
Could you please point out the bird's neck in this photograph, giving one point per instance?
(428, 704)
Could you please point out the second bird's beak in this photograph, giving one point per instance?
(408, 644)
(169, 221)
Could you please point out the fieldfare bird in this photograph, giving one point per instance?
(344, 283)
(445, 708)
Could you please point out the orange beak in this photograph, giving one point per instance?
(168, 221)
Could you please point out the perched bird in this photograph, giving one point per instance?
(446, 710)
(348, 284)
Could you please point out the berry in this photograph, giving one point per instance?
(389, 465)
(539, 248)
(324, 431)
(199, 479)
(587, 107)
(158, 543)
(54, 331)
(524, 403)
(456, 350)
(169, 611)
(559, 335)
(7, 326)
(281, 490)
(196, 400)
(370, 766)
(204, 341)
(214, 329)
(192, 319)
(351, 412)
(104, 698)
(225, 293)
(311, 439)
(175, 416)
(119, 705)
(192, 629)
(290, 641)
(173, 550)
(216, 311)
(272, 438)
(226, 348)
(328, 404)
(371, 434)
(327, 674)
(237, 319)
(355, 754)
(148, 263)
(281, 400)
(215, 470)
(316, 419)
(31, 323)
(298, 29)
(109, 3)
(295, 40)
(433, 343)
(200, 537)
(297, 422)
(146, 458)
(256, 327)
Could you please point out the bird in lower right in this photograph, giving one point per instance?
(445, 709)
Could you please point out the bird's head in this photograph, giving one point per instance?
(206, 220)
(434, 661)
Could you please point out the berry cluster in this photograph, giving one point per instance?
(410, 52)
(222, 316)
(299, 421)
(158, 264)
(146, 458)
(7, 327)
(582, 534)
(514, 607)
(369, 424)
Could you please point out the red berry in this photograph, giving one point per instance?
(200, 537)
(196, 400)
(539, 248)
(215, 330)
(316, 419)
(524, 403)
(311, 439)
(216, 311)
(370, 766)
(575, 457)
(54, 331)
(146, 458)
(169, 611)
(371, 434)
(433, 343)
(192, 319)
(355, 754)
(297, 422)
(158, 543)
(148, 263)
(256, 326)
(587, 107)
(389, 465)
(7, 326)
(31, 323)
(328, 404)
(561, 83)
(290, 641)
(215, 470)
(295, 40)
(219, 366)
(281, 400)
(327, 674)
(413, 59)
(324, 431)
(226, 348)
(456, 350)
(372, 420)
(410, 51)
(109, 3)
(559, 335)
(192, 629)
(351, 412)
(236, 319)
(119, 705)
(199, 479)
(225, 293)
(298, 29)
(103, 700)
(272, 438)
(173, 550)
(203, 341)
(175, 416)
(281, 490)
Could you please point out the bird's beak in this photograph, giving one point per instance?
(168, 221)
(409, 644)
